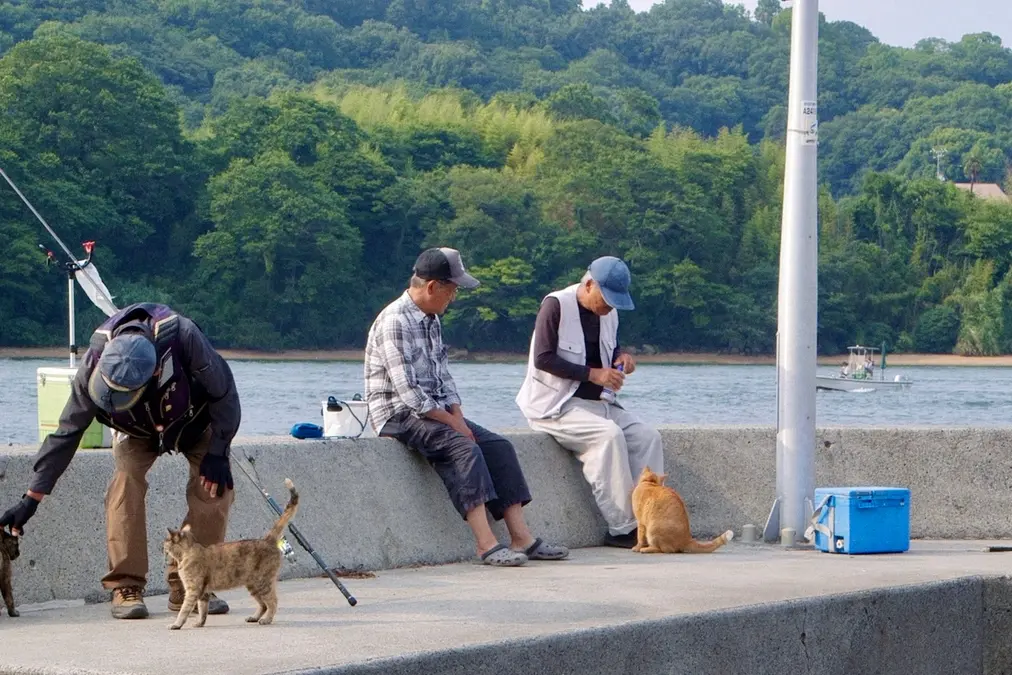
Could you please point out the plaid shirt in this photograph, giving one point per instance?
(405, 363)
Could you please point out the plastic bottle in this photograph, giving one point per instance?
(608, 393)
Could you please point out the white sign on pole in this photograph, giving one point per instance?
(810, 121)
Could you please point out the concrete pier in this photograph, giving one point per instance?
(943, 607)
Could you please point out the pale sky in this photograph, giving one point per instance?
(904, 22)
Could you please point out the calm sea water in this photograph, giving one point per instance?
(277, 394)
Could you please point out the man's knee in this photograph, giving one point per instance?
(652, 439)
(648, 446)
(611, 438)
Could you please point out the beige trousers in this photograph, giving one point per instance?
(126, 520)
(613, 445)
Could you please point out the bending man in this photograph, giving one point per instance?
(152, 376)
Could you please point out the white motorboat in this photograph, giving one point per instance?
(858, 374)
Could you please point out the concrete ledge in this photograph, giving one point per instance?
(926, 629)
(371, 504)
(941, 608)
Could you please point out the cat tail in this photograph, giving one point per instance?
(286, 515)
(709, 546)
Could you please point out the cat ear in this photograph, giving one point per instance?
(186, 529)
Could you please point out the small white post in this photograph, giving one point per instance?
(798, 297)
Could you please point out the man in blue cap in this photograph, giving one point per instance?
(574, 371)
(153, 377)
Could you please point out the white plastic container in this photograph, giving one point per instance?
(346, 419)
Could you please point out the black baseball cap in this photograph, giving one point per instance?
(443, 264)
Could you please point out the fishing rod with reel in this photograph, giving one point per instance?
(285, 547)
(75, 269)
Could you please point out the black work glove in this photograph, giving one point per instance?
(216, 474)
(16, 516)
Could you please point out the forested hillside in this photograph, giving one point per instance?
(272, 168)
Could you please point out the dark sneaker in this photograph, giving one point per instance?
(621, 540)
(215, 606)
(128, 603)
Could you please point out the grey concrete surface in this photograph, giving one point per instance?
(372, 504)
(939, 608)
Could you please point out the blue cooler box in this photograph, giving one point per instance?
(862, 519)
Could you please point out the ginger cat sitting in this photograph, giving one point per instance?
(663, 520)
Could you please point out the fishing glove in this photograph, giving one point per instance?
(16, 516)
(216, 469)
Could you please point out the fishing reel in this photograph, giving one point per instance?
(70, 266)
(287, 549)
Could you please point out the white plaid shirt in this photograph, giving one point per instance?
(406, 364)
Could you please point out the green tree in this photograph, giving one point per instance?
(281, 259)
(96, 142)
(937, 330)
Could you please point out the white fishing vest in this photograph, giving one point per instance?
(542, 394)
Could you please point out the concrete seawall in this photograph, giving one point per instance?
(371, 504)
(945, 628)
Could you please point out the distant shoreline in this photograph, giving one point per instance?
(458, 356)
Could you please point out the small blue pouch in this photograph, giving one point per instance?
(307, 430)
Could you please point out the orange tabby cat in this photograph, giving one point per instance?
(663, 520)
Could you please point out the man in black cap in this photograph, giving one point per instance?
(413, 398)
(153, 377)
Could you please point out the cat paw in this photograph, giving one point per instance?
(174, 626)
(728, 536)
(264, 621)
(252, 619)
(13, 612)
(636, 548)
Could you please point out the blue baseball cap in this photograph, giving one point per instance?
(123, 372)
(613, 278)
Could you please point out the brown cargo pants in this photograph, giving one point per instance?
(126, 520)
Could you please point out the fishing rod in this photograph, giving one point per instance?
(98, 289)
(295, 532)
(71, 266)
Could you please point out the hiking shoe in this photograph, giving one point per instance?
(128, 603)
(621, 540)
(215, 606)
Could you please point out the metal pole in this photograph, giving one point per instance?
(73, 328)
(798, 297)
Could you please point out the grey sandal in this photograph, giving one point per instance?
(540, 550)
(503, 556)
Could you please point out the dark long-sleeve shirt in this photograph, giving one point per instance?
(546, 344)
(208, 371)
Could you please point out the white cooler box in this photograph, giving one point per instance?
(346, 419)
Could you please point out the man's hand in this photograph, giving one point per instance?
(609, 378)
(216, 474)
(627, 361)
(453, 419)
(461, 425)
(16, 516)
